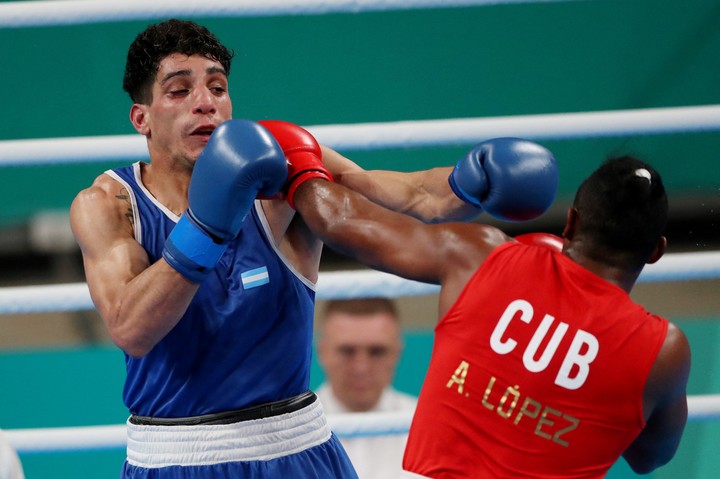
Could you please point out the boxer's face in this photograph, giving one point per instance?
(359, 354)
(189, 99)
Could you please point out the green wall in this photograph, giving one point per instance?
(407, 65)
(82, 387)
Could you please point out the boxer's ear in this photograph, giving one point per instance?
(139, 119)
(659, 250)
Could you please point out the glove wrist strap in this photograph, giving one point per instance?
(460, 193)
(302, 178)
(191, 251)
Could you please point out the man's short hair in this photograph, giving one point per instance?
(158, 41)
(623, 210)
(362, 306)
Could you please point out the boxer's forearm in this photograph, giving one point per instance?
(425, 195)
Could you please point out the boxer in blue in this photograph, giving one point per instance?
(205, 278)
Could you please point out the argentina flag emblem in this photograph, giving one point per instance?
(255, 277)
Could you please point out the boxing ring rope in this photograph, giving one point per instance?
(347, 284)
(87, 438)
(69, 297)
(331, 285)
(400, 134)
(349, 425)
(343, 285)
(81, 12)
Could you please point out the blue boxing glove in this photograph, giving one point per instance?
(240, 161)
(510, 178)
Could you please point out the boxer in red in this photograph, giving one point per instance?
(542, 365)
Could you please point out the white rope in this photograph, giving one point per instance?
(78, 12)
(683, 267)
(342, 285)
(63, 439)
(401, 134)
(704, 407)
(53, 298)
(58, 439)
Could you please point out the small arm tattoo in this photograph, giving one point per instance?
(124, 196)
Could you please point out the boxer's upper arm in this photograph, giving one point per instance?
(138, 302)
(101, 220)
(665, 405)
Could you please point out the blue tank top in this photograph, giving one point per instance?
(246, 337)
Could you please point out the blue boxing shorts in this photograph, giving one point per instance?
(297, 444)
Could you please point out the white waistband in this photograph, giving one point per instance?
(411, 475)
(254, 440)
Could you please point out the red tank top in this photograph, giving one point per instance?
(537, 371)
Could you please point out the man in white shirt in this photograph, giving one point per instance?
(359, 344)
(10, 467)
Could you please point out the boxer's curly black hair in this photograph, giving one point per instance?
(623, 209)
(158, 41)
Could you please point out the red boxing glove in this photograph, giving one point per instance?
(302, 152)
(545, 240)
